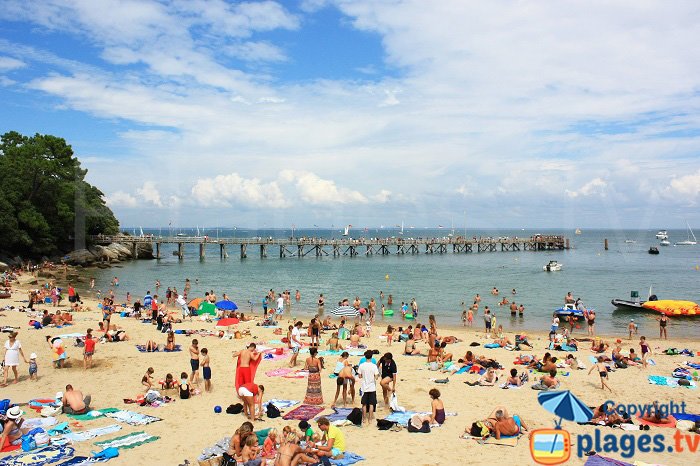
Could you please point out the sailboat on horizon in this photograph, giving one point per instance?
(688, 242)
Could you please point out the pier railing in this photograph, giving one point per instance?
(319, 247)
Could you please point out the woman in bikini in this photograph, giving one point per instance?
(345, 377)
(663, 322)
(12, 430)
(170, 341)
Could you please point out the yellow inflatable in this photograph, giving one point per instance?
(672, 307)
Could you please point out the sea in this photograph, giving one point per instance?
(440, 283)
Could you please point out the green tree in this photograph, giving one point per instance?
(42, 188)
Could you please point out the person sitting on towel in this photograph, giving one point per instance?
(502, 424)
(74, 402)
(654, 415)
(489, 379)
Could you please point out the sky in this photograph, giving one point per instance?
(256, 114)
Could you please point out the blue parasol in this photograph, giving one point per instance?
(226, 305)
(565, 405)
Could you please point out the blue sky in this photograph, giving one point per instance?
(216, 112)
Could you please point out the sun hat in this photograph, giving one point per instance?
(32, 356)
(14, 413)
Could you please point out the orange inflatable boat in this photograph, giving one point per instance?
(671, 307)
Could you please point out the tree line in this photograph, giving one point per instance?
(44, 197)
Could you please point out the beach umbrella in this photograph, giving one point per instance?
(345, 311)
(227, 322)
(206, 308)
(195, 303)
(565, 405)
(226, 305)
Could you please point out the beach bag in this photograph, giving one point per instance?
(417, 425)
(273, 411)
(684, 382)
(228, 460)
(383, 424)
(107, 453)
(355, 416)
(28, 443)
(394, 404)
(4, 406)
(235, 409)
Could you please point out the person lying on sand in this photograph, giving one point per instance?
(654, 415)
(489, 379)
(499, 423)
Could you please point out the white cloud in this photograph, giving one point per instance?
(596, 186)
(9, 64)
(318, 191)
(149, 193)
(121, 199)
(685, 187)
(382, 197)
(232, 189)
(256, 52)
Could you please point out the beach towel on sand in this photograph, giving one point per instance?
(648, 423)
(132, 418)
(82, 461)
(597, 460)
(668, 381)
(687, 417)
(303, 413)
(281, 404)
(94, 414)
(339, 414)
(280, 371)
(131, 440)
(92, 433)
(347, 459)
(40, 457)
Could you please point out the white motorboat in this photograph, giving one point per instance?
(662, 234)
(688, 242)
(553, 266)
(664, 242)
(630, 241)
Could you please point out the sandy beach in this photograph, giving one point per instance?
(189, 426)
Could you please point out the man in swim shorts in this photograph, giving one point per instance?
(243, 372)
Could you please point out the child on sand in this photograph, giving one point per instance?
(147, 380)
(632, 328)
(206, 370)
(194, 361)
(602, 371)
(89, 349)
(269, 449)
(33, 368)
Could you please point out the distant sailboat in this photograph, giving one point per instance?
(578, 231)
(142, 235)
(401, 232)
(346, 232)
(688, 242)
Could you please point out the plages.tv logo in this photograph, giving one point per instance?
(553, 446)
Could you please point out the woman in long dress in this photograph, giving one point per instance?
(13, 350)
(314, 396)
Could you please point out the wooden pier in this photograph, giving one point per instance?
(324, 247)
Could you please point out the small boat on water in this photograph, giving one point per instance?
(653, 250)
(664, 242)
(578, 231)
(662, 234)
(688, 242)
(634, 303)
(569, 310)
(553, 266)
(630, 241)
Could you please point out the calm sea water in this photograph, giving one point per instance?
(440, 282)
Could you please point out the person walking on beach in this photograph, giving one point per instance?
(314, 395)
(602, 371)
(590, 319)
(663, 322)
(368, 373)
(194, 361)
(632, 328)
(13, 350)
(388, 371)
(294, 336)
(645, 350)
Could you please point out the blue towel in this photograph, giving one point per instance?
(339, 414)
(687, 417)
(492, 345)
(694, 366)
(463, 370)
(347, 459)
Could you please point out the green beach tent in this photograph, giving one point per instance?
(206, 308)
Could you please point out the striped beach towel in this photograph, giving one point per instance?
(128, 441)
(132, 418)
